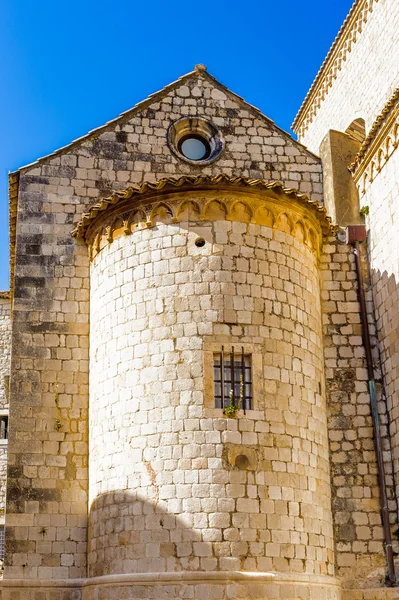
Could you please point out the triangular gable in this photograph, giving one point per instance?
(199, 70)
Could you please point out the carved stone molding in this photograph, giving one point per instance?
(338, 53)
(378, 146)
(190, 200)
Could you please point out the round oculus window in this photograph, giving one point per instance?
(194, 147)
(195, 140)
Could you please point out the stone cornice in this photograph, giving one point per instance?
(379, 145)
(338, 53)
(4, 295)
(209, 198)
(13, 204)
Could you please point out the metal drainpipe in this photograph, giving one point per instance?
(353, 238)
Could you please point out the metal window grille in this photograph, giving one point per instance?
(2, 538)
(232, 379)
(3, 428)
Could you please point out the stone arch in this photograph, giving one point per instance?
(300, 231)
(215, 210)
(372, 170)
(380, 159)
(104, 237)
(284, 223)
(117, 228)
(161, 213)
(94, 247)
(388, 147)
(264, 216)
(96, 242)
(357, 130)
(136, 218)
(365, 182)
(240, 211)
(312, 239)
(188, 210)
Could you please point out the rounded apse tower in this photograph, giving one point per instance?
(209, 472)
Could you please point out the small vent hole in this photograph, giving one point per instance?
(200, 242)
(242, 462)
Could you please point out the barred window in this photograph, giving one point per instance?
(2, 536)
(232, 379)
(3, 428)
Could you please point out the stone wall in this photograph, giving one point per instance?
(371, 93)
(47, 489)
(382, 198)
(366, 74)
(165, 493)
(5, 352)
(360, 555)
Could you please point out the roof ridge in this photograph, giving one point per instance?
(335, 54)
(199, 70)
(260, 114)
(150, 98)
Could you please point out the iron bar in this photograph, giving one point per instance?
(242, 385)
(233, 399)
(222, 375)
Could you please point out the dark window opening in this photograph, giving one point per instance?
(194, 147)
(232, 379)
(3, 428)
(2, 537)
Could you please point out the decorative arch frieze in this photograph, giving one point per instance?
(219, 198)
(331, 67)
(379, 145)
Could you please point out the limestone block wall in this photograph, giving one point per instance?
(355, 91)
(47, 445)
(359, 552)
(5, 352)
(370, 38)
(382, 198)
(165, 494)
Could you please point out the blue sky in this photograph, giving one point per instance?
(67, 67)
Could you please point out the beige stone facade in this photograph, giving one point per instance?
(374, 99)
(135, 267)
(5, 351)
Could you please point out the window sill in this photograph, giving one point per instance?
(251, 414)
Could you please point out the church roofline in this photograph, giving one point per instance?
(198, 70)
(174, 184)
(376, 128)
(341, 47)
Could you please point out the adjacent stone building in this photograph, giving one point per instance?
(192, 358)
(5, 350)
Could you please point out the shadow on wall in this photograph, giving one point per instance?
(129, 534)
(386, 306)
(360, 555)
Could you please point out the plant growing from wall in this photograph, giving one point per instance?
(365, 210)
(58, 424)
(232, 409)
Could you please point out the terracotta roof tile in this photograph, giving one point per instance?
(187, 182)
